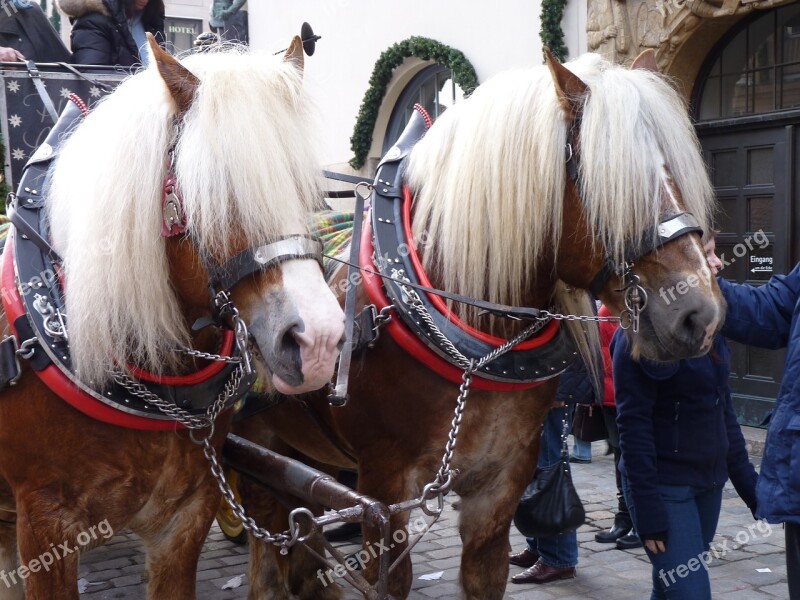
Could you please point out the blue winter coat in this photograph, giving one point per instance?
(767, 317)
(677, 426)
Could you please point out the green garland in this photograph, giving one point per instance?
(551, 34)
(424, 48)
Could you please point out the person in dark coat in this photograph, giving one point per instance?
(112, 32)
(680, 442)
(769, 317)
(26, 34)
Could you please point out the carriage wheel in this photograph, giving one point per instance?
(228, 522)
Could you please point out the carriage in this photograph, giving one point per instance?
(186, 284)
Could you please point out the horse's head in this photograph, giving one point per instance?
(229, 133)
(637, 201)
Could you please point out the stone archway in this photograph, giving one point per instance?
(682, 32)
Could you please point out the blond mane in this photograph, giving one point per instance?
(245, 163)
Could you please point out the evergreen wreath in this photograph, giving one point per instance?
(425, 48)
(551, 34)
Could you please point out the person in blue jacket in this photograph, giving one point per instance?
(680, 442)
(767, 317)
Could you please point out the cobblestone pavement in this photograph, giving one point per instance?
(753, 567)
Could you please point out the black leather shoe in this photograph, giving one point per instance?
(579, 461)
(629, 541)
(526, 558)
(612, 535)
(542, 573)
(344, 532)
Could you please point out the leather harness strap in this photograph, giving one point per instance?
(252, 260)
(670, 228)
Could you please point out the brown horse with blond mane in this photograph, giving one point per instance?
(191, 174)
(497, 215)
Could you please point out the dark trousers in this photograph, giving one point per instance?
(793, 559)
(622, 518)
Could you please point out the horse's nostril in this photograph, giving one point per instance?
(288, 339)
(340, 345)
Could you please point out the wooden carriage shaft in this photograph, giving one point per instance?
(290, 476)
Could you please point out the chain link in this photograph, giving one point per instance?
(176, 412)
(415, 302)
(194, 423)
(233, 360)
(445, 475)
(285, 540)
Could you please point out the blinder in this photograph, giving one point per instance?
(260, 258)
(670, 228)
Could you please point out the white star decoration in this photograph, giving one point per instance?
(13, 86)
(18, 154)
(15, 120)
(65, 92)
(95, 92)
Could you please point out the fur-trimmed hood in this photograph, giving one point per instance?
(109, 8)
(101, 34)
(78, 8)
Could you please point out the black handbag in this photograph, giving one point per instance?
(588, 423)
(550, 505)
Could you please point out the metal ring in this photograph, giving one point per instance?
(363, 184)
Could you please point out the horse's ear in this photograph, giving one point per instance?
(181, 82)
(294, 53)
(646, 60)
(569, 87)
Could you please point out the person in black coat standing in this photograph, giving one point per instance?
(112, 32)
(26, 34)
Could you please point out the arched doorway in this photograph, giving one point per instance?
(433, 88)
(747, 108)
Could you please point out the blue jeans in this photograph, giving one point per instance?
(560, 551)
(581, 449)
(681, 573)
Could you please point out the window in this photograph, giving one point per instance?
(758, 70)
(433, 88)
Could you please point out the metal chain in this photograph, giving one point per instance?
(285, 540)
(584, 318)
(444, 476)
(193, 423)
(174, 411)
(462, 361)
(208, 356)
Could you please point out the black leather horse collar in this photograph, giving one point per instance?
(393, 259)
(40, 322)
